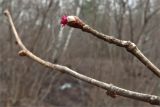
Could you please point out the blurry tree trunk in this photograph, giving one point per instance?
(36, 84)
(119, 14)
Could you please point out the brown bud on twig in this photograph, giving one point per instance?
(111, 93)
(22, 53)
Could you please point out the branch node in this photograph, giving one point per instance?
(130, 46)
(85, 27)
(22, 53)
(112, 93)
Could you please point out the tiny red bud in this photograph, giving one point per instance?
(72, 21)
(64, 20)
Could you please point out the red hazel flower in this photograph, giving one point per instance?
(64, 20)
(72, 21)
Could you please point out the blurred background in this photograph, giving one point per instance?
(25, 83)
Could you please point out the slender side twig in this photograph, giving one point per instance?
(130, 47)
(74, 21)
(111, 89)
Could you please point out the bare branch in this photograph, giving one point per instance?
(112, 90)
(130, 47)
